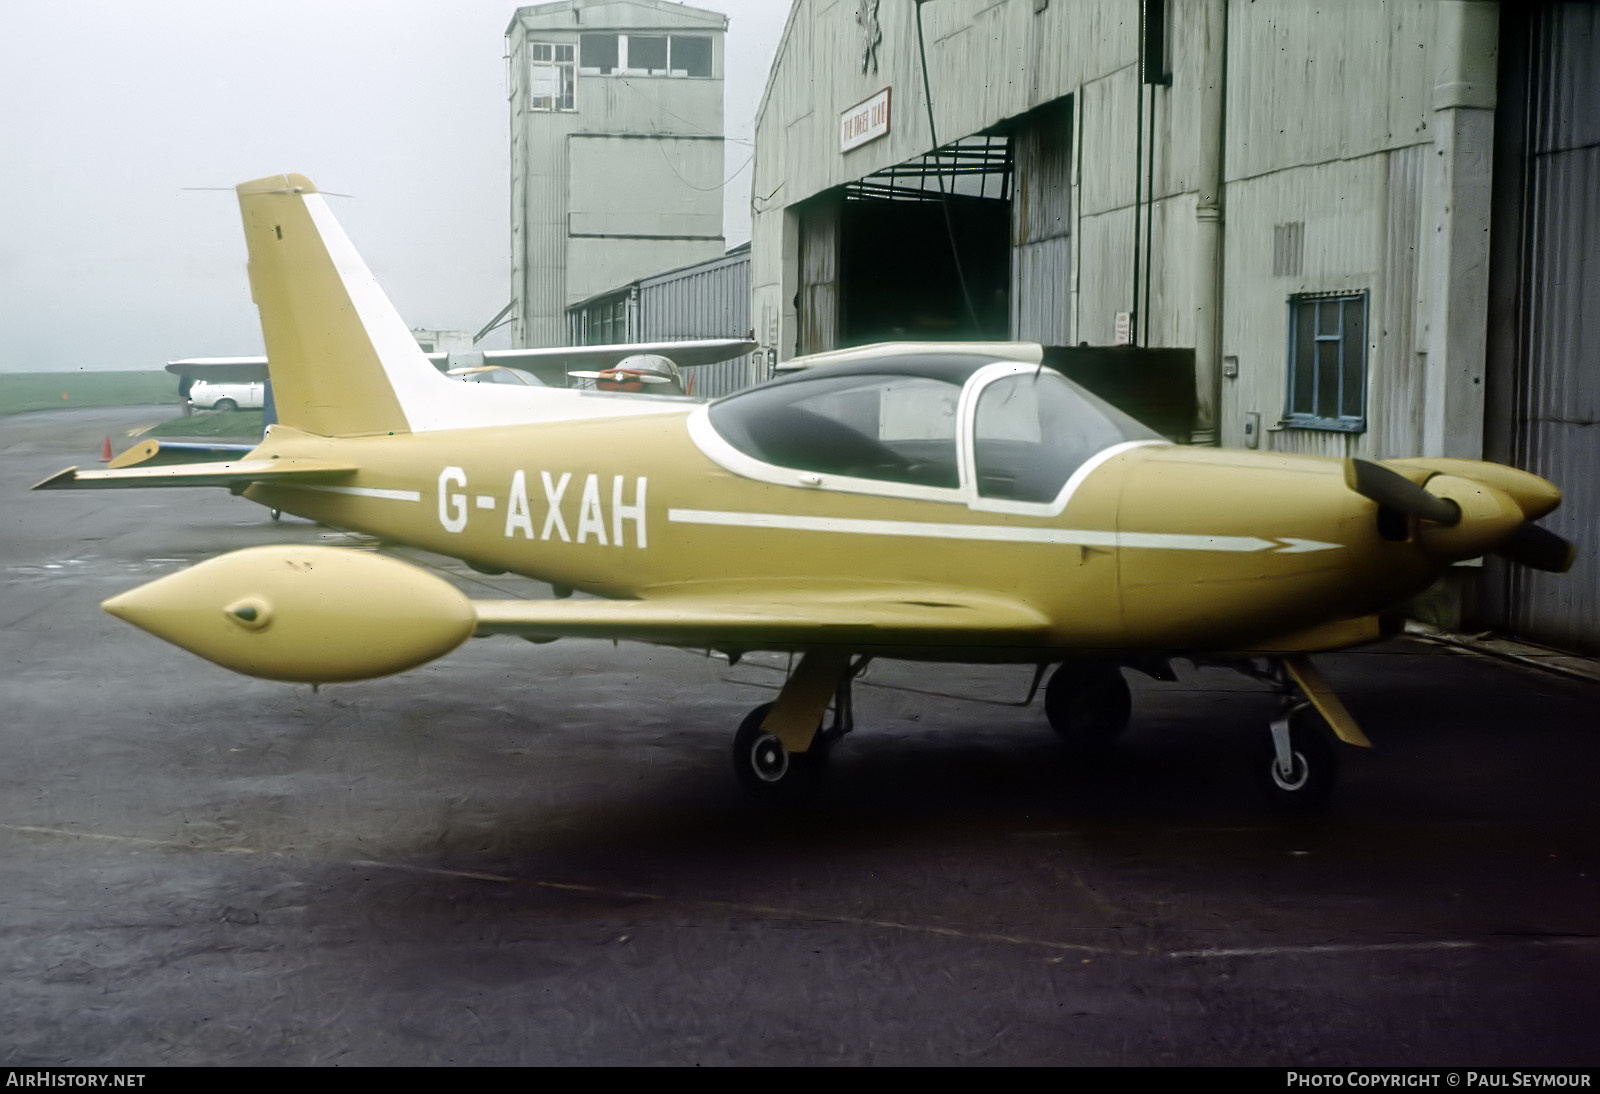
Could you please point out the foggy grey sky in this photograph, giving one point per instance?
(110, 110)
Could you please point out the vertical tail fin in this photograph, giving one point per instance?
(343, 362)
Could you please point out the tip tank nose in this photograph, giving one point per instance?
(311, 615)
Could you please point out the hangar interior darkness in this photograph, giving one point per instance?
(876, 256)
(879, 256)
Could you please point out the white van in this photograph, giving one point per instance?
(204, 395)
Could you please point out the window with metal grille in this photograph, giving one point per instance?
(1328, 362)
(552, 76)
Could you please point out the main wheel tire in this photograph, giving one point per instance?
(1315, 770)
(225, 404)
(769, 772)
(1088, 704)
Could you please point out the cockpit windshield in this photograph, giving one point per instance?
(894, 422)
(1032, 430)
(893, 428)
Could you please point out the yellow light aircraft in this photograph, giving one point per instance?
(938, 503)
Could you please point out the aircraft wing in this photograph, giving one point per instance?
(917, 616)
(234, 473)
(700, 351)
(222, 370)
(338, 614)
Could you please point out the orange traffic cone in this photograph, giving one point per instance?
(105, 451)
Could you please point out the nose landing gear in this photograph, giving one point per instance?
(1299, 766)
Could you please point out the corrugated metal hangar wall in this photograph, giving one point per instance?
(1544, 357)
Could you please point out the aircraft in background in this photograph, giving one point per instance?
(638, 372)
(642, 362)
(631, 367)
(927, 502)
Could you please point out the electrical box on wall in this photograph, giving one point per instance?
(1252, 429)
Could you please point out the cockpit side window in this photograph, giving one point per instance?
(1033, 430)
(890, 428)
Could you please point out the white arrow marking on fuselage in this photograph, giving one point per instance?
(1304, 546)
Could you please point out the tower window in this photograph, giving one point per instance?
(552, 76)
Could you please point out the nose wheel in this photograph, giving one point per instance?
(1299, 766)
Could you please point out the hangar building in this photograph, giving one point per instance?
(1374, 223)
(616, 150)
(708, 299)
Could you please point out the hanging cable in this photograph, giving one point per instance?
(703, 189)
(1138, 207)
(1150, 210)
(938, 174)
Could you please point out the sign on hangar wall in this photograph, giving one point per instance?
(864, 122)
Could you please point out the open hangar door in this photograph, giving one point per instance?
(879, 257)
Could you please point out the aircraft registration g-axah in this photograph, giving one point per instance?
(928, 502)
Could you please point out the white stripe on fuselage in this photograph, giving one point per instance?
(917, 529)
(1076, 537)
(354, 491)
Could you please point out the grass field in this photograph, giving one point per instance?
(21, 391)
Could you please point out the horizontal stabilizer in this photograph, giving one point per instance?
(154, 453)
(238, 473)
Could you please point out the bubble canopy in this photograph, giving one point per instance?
(907, 419)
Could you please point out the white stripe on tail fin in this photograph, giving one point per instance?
(342, 361)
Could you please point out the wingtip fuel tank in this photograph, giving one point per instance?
(312, 615)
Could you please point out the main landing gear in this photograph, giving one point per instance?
(1088, 705)
(780, 752)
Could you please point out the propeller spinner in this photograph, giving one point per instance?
(1467, 516)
